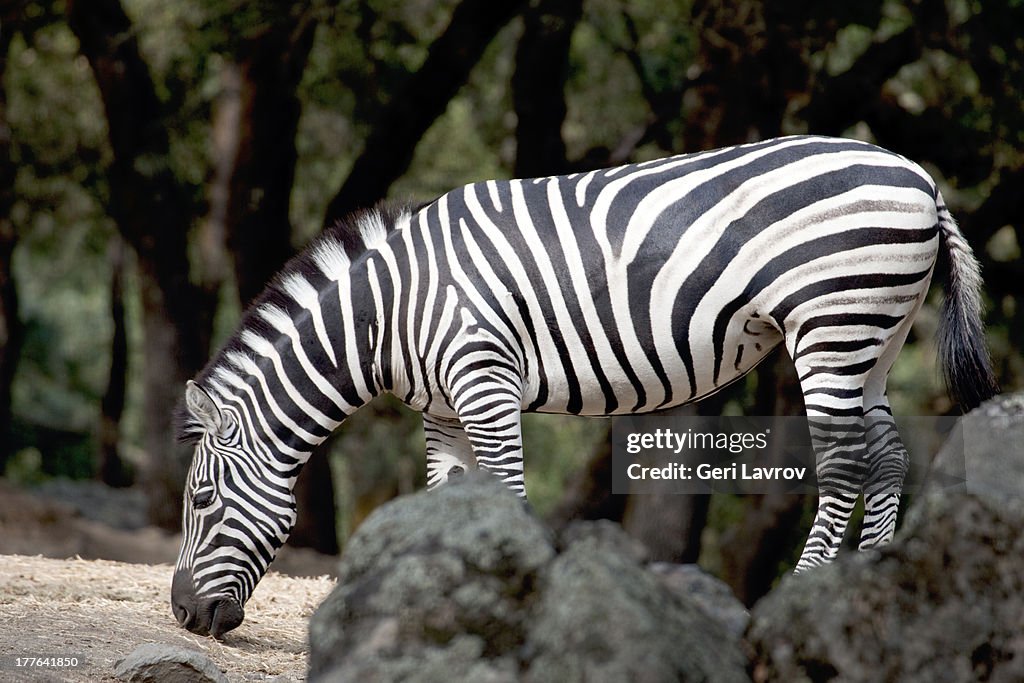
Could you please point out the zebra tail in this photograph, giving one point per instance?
(962, 349)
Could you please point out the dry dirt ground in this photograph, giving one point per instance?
(100, 610)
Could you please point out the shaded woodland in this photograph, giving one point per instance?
(160, 161)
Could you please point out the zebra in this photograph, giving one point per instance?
(618, 291)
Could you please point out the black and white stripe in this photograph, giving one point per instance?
(618, 291)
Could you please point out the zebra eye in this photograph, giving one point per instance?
(202, 499)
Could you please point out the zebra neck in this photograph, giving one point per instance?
(373, 323)
(301, 363)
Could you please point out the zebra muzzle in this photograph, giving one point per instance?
(212, 616)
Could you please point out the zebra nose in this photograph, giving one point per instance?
(183, 599)
(209, 616)
(224, 614)
(185, 617)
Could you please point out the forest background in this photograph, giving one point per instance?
(159, 161)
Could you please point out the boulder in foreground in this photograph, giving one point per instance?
(944, 602)
(161, 663)
(463, 583)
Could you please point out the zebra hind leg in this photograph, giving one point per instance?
(842, 373)
(833, 372)
(887, 467)
(887, 456)
(841, 469)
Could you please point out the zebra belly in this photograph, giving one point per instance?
(632, 377)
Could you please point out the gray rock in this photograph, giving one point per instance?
(603, 535)
(603, 618)
(711, 594)
(161, 663)
(433, 583)
(944, 602)
(464, 583)
(987, 449)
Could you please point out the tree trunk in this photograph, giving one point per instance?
(258, 225)
(213, 261)
(11, 332)
(112, 469)
(163, 377)
(390, 146)
(538, 86)
(316, 526)
(669, 524)
(749, 62)
(152, 211)
(589, 495)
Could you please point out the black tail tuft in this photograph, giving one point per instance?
(962, 349)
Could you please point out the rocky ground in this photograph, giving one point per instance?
(464, 584)
(943, 602)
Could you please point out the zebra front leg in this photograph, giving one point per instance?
(454, 448)
(491, 415)
(449, 452)
(499, 452)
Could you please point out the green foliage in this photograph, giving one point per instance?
(25, 468)
(56, 121)
(603, 95)
(451, 154)
(558, 448)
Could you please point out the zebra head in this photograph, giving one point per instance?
(237, 513)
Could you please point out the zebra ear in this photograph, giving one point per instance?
(203, 408)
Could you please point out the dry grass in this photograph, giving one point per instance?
(102, 610)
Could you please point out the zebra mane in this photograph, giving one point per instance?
(356, 233)
(331, 251)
